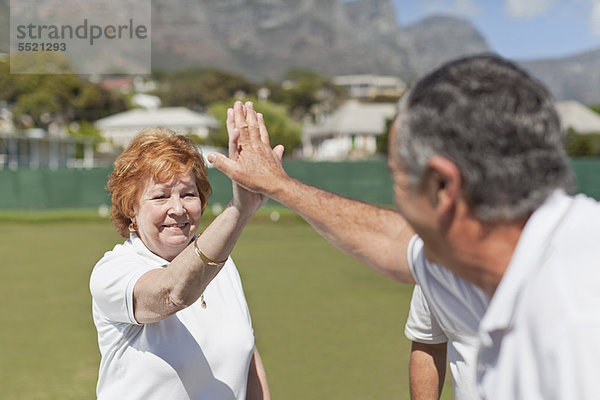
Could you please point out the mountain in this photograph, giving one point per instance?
(570, 78)
(438, 39)
(265, 38)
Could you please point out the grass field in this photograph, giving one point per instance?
(327, 327)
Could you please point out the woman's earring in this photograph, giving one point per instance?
(132, 227)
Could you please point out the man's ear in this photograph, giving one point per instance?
(443, 184)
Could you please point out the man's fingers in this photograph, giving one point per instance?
(222, 163)
(264, 134)
(252, 120)
(278, 150)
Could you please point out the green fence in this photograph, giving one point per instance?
(587, 171)
(368, 181)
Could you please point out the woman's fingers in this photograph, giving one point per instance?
(239, 117)
(233, 134)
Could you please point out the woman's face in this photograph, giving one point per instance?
(168, 214)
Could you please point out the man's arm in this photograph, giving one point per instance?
(427, 370)
(376, 236)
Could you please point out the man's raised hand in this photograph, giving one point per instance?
(252, 163)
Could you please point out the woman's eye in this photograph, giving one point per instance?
(190, 195)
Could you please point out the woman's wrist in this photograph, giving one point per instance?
(241, 215)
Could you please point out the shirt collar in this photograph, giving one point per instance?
(141, 249)
(525, 261)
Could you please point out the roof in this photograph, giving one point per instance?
(369, 79)
(172, 117)
(354, 118)
(578, 117)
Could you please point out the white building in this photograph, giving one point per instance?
(371, 86)
(120, 128)
(34, 149)
(349, 132)
(578, 117)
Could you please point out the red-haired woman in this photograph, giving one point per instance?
(168, 305)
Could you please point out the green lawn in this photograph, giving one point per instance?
(327, 327)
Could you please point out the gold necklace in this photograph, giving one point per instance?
(202, 302)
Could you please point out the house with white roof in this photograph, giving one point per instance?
(349, 132)
(120, 128)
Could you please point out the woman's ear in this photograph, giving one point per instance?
(443, 184)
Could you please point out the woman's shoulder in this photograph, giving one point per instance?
(120, 251)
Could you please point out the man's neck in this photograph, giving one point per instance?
(481, 252)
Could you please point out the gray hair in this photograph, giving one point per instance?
(496, 124)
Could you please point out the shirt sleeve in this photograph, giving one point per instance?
(421, 326)
(112, 283)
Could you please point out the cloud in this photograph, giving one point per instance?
(527, 9)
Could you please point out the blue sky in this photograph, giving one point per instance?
(519, 29)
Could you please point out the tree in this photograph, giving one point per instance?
(37, 100)
(282, 129)
(198, 88)
(382, 140)
(582, 145)
(94, 102)
(305, 90)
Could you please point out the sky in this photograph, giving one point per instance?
(519, 29)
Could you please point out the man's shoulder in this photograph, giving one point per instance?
(566, 285)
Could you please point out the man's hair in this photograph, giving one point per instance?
(496, 124)
(156, 153)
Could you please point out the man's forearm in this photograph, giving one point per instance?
(376, 236)
(427, 370)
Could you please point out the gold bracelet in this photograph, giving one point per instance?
(207, 261)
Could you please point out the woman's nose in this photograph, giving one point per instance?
(176, 205)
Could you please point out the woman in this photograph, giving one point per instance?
(169, 307)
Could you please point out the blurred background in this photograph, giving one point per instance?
(327, 76)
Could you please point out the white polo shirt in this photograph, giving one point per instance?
(445, 308)
(198, 353)
(540, 338)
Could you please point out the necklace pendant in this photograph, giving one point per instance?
(202, 302)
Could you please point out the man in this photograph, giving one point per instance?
(479, 174)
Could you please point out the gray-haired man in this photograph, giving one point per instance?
(480, 175)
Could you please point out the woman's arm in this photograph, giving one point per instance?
(258, 387)
(162, 292)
